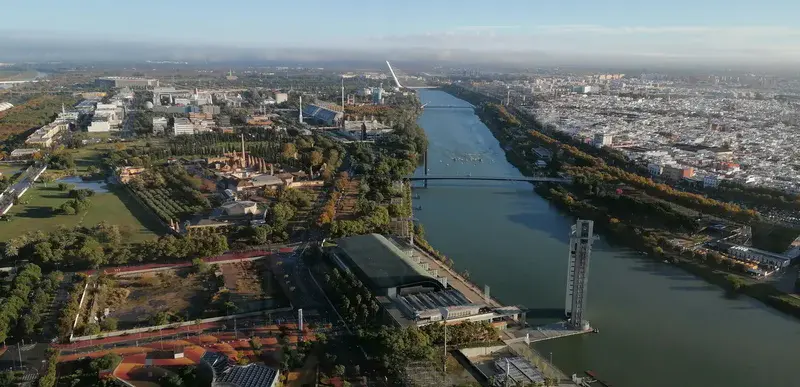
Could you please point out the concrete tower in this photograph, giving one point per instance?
(580, 249)
(244, 156)
(301, 109)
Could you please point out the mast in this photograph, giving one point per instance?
(244, 159)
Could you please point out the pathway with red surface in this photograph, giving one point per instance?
(159, 353)
(233, 256)
(201, 334)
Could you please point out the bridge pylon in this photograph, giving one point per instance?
(425, 165)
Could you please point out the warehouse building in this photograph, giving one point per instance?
(750, 254)
(132, 82)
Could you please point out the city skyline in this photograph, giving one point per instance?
(520, 32)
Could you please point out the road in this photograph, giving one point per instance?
(26, 180)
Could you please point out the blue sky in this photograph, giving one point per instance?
(669, 28)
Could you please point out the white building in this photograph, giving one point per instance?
(46, 135)
(99, 124)
(239, 208)
(603, 139)
(202, 98)
(366, 130)
(159, 125)
(5, 106)
(760, 256)
(183, 126)
(23, 153)
(281, 98)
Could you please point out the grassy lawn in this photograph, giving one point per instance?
(90, 155)
(115, 207)
(10, 170)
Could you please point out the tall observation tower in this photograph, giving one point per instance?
(580, 249)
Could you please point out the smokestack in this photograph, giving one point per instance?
(244, 159)
(301, 109)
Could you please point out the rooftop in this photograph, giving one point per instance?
(384, 263)
(226, 374)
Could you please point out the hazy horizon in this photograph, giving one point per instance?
(727, 34)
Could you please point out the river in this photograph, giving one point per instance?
(659, 326)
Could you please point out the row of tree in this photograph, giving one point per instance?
(103, 244)
(26, 280)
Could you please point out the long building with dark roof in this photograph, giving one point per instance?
(383, 267)
(409, 291)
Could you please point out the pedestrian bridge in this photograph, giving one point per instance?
(540, 179)
(429, 106)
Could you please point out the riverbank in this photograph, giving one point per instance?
(656, 244)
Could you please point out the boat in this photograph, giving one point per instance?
(594, 376)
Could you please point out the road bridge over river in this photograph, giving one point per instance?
(534, 179)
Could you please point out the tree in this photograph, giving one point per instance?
(109, 324)
(160, 318)
(199, 265)
(67, 208)
(288, 151)
(6, 378)
(46, 179)
(338, 370)
(171, 380)
(91, 329)
(105, 362)
(315, 159)
(261, 234)
(279, 216)
(92, 252)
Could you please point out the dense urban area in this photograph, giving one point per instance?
(171, 224)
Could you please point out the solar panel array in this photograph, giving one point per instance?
(218, 361)
(434, 300)
(251, 375)
(520, 370)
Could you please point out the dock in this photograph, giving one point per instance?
(545, 332)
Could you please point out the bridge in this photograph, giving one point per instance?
(535, 179)
(429, 106)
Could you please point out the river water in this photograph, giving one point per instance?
(659, 326)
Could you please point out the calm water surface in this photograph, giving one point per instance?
(660, 326)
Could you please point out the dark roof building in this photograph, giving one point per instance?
(382, 266)
(226, 374)
(322, 114)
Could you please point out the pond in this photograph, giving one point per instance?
(98, 186)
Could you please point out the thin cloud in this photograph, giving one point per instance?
(680, 30)
(486, 28)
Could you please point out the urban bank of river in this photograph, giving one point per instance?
(660, 326)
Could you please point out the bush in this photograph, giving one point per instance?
(91, 329)
(109, 324)
(81, 194)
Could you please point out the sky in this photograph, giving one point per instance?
(724, 31)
